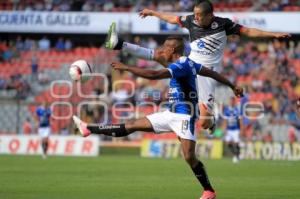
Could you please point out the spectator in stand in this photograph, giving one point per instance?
(44, 44)
(68, 44)
(87, 6)
(292, 117)
(39, 6)
(7, 54)
(27, 127)
(19, 44)
(60, 44)
(268, 137)
(3, 84)
(28, 44)
(34, 66)
(152, 43)
(64, 6)
(292, 135)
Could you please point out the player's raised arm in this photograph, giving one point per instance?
(145, 73)
(235, 28)
(253, 32)
(238, 91)
(173, 19)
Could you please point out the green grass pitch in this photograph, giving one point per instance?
(130, 177)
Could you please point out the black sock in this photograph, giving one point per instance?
(237, 150)
(119, 44)
(114, 130)
(202, 177)
(45, 147)
(232, 149)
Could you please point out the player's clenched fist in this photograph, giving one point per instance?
(119, 66)
(282, 35)
(238, 91)
(146, 12)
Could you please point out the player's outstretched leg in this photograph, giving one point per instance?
(188, 148)
(114, 130)
(114, 42)
(82, 126)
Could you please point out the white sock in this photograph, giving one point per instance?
(138, 51)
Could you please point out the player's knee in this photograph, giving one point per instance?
(130, 125)
(205, 123)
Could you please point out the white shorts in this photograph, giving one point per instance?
(232, 136)
(206, 92)
(44, 132)
(183, 125)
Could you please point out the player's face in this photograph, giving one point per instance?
(201, 18)
(45, 104)
(168, 49)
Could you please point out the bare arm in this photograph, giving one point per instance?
(253, 32)
(238, 91)
(166, 17)
(145, 73)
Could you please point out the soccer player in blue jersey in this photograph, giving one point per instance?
(43, 114)
(234, 125)
(182, 113)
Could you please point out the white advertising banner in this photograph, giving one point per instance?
(98, 23)
(73, 22)
(269, 21)
(58, 145)
(270, 151)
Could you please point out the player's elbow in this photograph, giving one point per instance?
(159, 75)
(250, 32)
(172, 19)
(207, 72)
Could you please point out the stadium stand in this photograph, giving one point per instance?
(136, 5)
(248, 63)
(28, 66)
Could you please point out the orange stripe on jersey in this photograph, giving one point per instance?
(242, 29)
(179, 21)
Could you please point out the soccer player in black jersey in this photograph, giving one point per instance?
(208, 35)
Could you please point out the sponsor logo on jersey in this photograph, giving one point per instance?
(201, 44)
(214, 25)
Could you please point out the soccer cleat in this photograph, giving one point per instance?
(235, 159)
(212, 129)
(112, 37)
(82, 126)
(208, 195)
(44, 156)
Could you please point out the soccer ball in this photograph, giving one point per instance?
(80, 70)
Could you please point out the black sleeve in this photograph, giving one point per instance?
(232, 28)
(185, 21)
